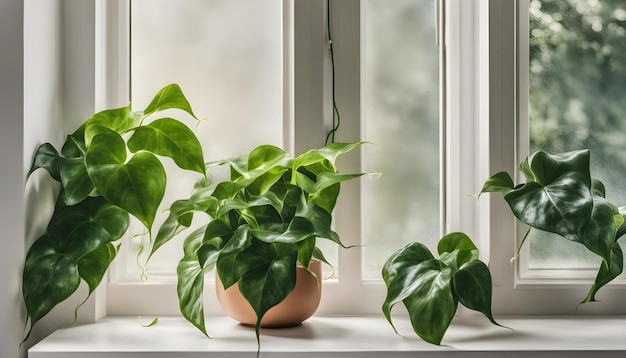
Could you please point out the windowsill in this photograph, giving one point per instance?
(124, 337)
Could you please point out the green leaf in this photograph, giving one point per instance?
(116, 120)
(76, 182)
(74, 145)
(399, 273)
(94, 265)
(609, 270)
(137, 186)
(270, 276)
(306, 249)
(152, 323)
(170, 97)
(499, 182)
(229, 266)
(329, 153)
(560, 201)
(429, 301)
(599, 234)
(466, 250)
(51, 271)
(472, 287)
(597, 188)
(431, 289)
(48, 158)
(190, 285)
(324, 180)
(411, 255)
(169, 137)
(92, 268)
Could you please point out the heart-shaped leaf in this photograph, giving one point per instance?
(431, 304)
(170, 97)
(499, 182)
(48, 158)
(77, 184)
(190, 285)
(472, 287)
(169, 137)
(136, 186)
(51, 271)
(560, 200)
(117, 120)
(431, 288)
(270, 276)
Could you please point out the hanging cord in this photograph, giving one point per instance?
(330, 138)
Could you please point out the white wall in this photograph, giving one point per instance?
(46, 90)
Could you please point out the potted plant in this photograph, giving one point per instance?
(432, 288)
(561, 197)
(261, 224)
(100, 187)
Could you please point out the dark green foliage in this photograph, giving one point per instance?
(560, 197)
(431, 288)
(262, 223)
(100, 187)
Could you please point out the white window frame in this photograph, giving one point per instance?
(482, 91)
(307, 99)
(515, 290)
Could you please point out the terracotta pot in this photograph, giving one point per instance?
(299, 305)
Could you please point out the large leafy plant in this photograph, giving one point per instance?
(561, 197)
(262, 222)
(108, 169)
(432, 288)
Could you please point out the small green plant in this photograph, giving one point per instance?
(431, 288)
(101, 185)
(261, 223)
(561, 197)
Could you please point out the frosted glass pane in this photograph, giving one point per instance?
(577, 84)
(402, 120)
(227, 57)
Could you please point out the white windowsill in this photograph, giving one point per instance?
(124, 337)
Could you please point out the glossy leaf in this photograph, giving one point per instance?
(169, 137)
(190, 285)
(48, 158)
(51, 271)
(77, 184)
(472, 287)
(499, 182)
(609, 270)
(466, 250)
(266, 220)
(74, 145)
(94, 265)
(561, 197)
(117, 120)
(431, 288)
(170, 97)
(599, 234)
(92, 268)
(136, 186)
(329, 153)
(270, 276)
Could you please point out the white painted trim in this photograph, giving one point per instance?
(547, 292)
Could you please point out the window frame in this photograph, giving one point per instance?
(513, 292)
(483, 94)
(307, 85)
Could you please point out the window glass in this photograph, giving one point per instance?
(577, 88)
(227, 57)
(401, 104)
